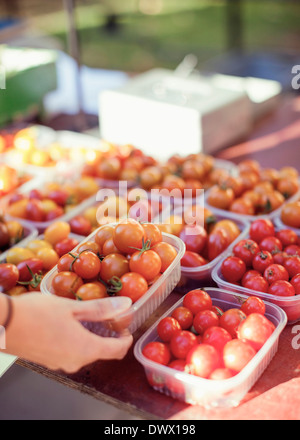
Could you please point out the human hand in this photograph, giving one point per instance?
(47, 330)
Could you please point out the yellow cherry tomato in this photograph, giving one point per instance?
(57, 232)
(48, 256)
(16, 255)
(35, 245)
(15, 230)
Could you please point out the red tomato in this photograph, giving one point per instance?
(181, 343)
(167, 327)
(256, 330)
(132, 285)
(184, 316)
(65, 262)
(66, 284)
(205, 319)
(292, 265)
(54, 213)
(295, 282)
(233, 269)
(194, 237)
(258, 283)
(87, 265)
(271, 244)
(28, 268)
(253, 304)
(260, 229)
(157, 352)
(276, 272)
(281, 288)
(231, 319)
(80, 225)
(197, 300)
(237, 354)
(34, 211)
(65, 246)
(9, 275)
(292, 249)
(245, 250)
(167, 254)
(217, 337)
(153, 233)
(113, 265)
(103, 233)
(287, 237)
(129, 235)
(203, 359)
(218, 241)
(248, 275)
(262, 260)
(59, 196)
(146, 263)
(280, 257)
(192, 259)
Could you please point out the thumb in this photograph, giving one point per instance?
(101, 309)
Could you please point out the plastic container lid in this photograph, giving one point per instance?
(211, 393)
(141, 309)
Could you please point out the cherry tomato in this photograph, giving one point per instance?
(280, 257)
(9, 275)
(260, 229)
(59, 196)
(205, 319)
(233, 269)
(80, 225)
(89, 246)
(246, 250)
(292, 265)
(28, 267)
(54, 213)
(237, 354)
(292, 249)
(231, 319)
(66, 245)
(109, 247)
(203, 359)
(34, 211)
(181, 343)
(49, 257)
(295, 282)
(217, 337)
(248, 275)
(66, 284)
(57, 232)
(113, 265)
(167, 327)
(133, 285)
(147, 263)
(153, 233)
(271, 244)
(64, 264)
(87, 265)
(157, 352)
(262, 260)
(281, 288)
(287, 237)
(89, 291)
(256, 330)
(253, 304)
(276, 272)
(194, 237)
(218, 241)
(197, 300)
(184, 316)
(167, 254)
(103, 233)
(129, 235)
(257, 283)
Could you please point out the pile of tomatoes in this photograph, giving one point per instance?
(122, 259)
(25, 267)
(268, 261)
(51, 202)
(200, 338)
(254, 190)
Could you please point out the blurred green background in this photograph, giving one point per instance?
(136, 35)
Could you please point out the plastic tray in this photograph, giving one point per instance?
(290, 304)
(279, 224)
(250, 218)
(141, 309)
(30, 233)
(212, 393)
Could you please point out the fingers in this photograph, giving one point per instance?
(102, 309)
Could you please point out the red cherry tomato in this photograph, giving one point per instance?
(80, 225)
(35, 265)
(270, 244)
(66, 284)
(167, 327)
(245, 250)
(276, 272)
(258, 283)
(167, 254)
(231, 319)
(287, 237)
(295, 282)
(256, 330)
(248, 275)
(194, 237)
(281, 288)
(203, 359)
(181, 343)
(260, 229)
(237, 354)
(147, 263)
(184, 316)
(9, 275)
(128, 236)
(192, 259)
(87, 265)
(262, 260)
(197, 300)
(133, 285)
(205, 319)
(253, 304)
(292, 265)
(65, 246)
(217, 337)
(157, 352)
(233, 269)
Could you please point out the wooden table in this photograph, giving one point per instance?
(275, 142)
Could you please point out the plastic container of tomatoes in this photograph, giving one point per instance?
(203, 273)
(30, 233)
(132, 319)
(211, 393)
(290, 304)
(250, 218)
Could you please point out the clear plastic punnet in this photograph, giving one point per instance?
(211, 393)
(132, 319)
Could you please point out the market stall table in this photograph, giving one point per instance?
(276, 395)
